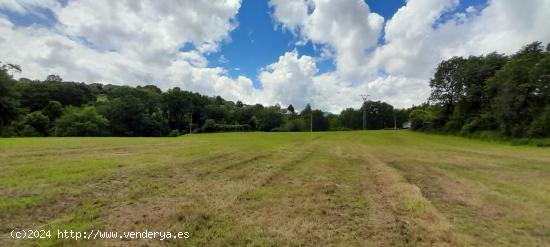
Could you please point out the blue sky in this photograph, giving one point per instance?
(321, 52)
(259, 40)
(255, 42)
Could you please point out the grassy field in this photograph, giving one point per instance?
(374, 188)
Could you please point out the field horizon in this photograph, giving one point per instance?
(356, 188)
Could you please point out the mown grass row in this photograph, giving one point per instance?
(280, 189)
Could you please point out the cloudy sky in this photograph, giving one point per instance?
(323, 52)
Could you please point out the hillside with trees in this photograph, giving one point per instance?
(54, 107)
(492, 95)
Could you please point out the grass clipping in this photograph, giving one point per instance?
(418, 221)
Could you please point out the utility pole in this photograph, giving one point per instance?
(365, 98)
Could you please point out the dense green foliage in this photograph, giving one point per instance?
(54, 107)
(8, 104)
(497, 95)
(492, 95)
(379, 115)
(81, 122)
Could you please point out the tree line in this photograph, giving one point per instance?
(54, 107)
(491, 95)
(488, 95)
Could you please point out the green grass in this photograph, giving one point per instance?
(374, 188)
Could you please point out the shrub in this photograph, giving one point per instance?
(295, 125)
(53, 110)
(209, 126)
(34, 124)
(174, 133)
(425, 119)
(452, 126)
(29, 131)
(478, 123)
(81, 122)
(540, 127)
(8, 131)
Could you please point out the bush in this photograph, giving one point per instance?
(417, 119)
(34, 124)
(53, 110)
(452, 126)
(540, 127)
(425, 119)
(174, 133)
(29, 131)
(81, 122)
(543, 142)
(432, 118)
(479, 123)
(294, 125)
(8, 131)
(490, 135)
(209, 126)
(341, 129)
(232, 127)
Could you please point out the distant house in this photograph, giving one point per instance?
(407, 125)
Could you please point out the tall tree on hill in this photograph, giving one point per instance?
(320, 122)
(129, 116)
(175, 105)
(35, 95)
(379, 115)
(506, 95)
(306, 115)
(270, 118)
(351, 118)
(8, 103)
(473, 100)
(518, 90)
(291, 109)
(448, 83)
(53, 110)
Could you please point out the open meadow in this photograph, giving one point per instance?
(374, 188)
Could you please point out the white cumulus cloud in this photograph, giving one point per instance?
(416, 38)
(289, 80)
(140, 41)
(346, 26)
(131, 41)
(27, 6)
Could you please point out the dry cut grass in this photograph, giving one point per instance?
(376, 188)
